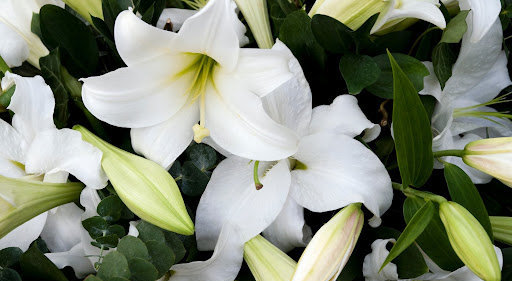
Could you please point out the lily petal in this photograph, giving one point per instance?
(23, 235)
(485, 13)
(62, 229)
(64, 150)
(476, 176)
(142, 96)
(291, 104)
(432, 86)
(176, 16)
(475, 60)
(12, 143)
(10, 170)
(244, 208)
(331, 179)
(239, 124)
(212, 31)
(426, 10)
(224, 264)
(374, 260)
(33, 104)
(344, 117)
(263, 70)
(13, 48)
(129, 27)
(74, 258)
(163, 143)
(289, 230)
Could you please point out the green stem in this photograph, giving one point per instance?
(4, 68)
(257, 182)
(411, 192)
(451, 152)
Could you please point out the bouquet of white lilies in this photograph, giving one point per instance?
(222, 140)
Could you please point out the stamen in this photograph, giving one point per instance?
(257, 182)
(200, 132)
(168, 25)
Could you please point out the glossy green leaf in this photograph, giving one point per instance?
(51, 72)
(331, 34)
(359, 72)
(149, 232)
(203, 156)
(93, 278)
(456, 28)
(10, 256)
(114, 265)
(412, 133)
(413, 68)
(173, 241)
(59, 28)
(433, 241)
(35, 265)
(463, 191)
(95, 226)
(443, 59)
(414, 228)
(132, 247)
(193, 181)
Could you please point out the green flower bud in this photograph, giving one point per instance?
(256, 14)
(22, 200)
(470, 241)
(86, 8)
(491, 156)
(502, 229)
(145, 187)
(332, 245)
(267, 262)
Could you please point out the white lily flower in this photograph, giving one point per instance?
(374, 260)
(354, 13)
(13, 49)
(17, 15)
(462, 113)
(322, 176)
(485, 13)
(33, 148)
(174, 80)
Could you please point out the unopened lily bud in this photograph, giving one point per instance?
(470, 241)
(86, 8)
(267, 262)
(256, 14)
(145, 187)
(491, 156)
(23, 199)
(330, 248)
(502, 229)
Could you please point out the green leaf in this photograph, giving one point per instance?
(463, 191)
(36, 266)
(117, 230)
(110, 208)
(443, 59)
(193, 181)
(411, 263)
(455, 29)
(433, 241)
(10, 256)
(331, 34)
(35, 25)
(149, 232)
(161, 256)
(59, 28)
(8, 274)
(5, 97)
(414, 228)
(51, 72)
(412, 133)
(142, 270)
(114, 265)
(413, 68)
(95, 226)
(93, 278)
(173, 241)
(107, 241)
(132, 247)
(359, 72)
(203, 156)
